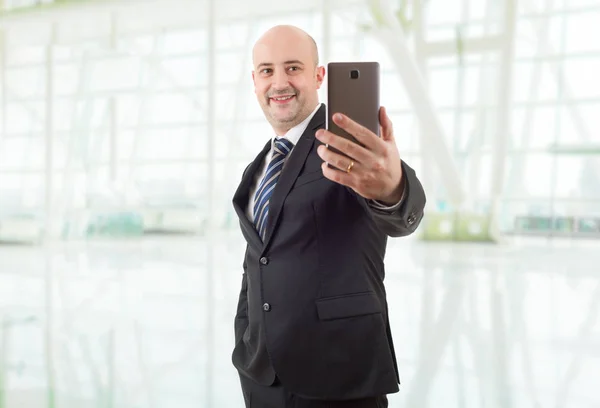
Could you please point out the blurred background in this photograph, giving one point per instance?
(125, 128)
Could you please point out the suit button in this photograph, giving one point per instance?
(266, 307)
(264, 260)
(411, 219)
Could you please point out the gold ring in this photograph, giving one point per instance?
(350, 166)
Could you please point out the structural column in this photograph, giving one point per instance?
(49, 222)
(211, 197)
(3, 84)
(505, 75)
(113, 154)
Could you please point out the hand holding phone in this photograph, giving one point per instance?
(357, 155)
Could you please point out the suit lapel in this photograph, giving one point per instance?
(291, 170)
(241, 198)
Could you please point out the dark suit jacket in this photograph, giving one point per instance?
(312, 307)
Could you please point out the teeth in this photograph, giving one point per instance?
(285, 98)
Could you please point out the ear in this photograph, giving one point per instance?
(320, 76)
(254, 81)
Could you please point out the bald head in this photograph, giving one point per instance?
(286, 76)
(287, 36)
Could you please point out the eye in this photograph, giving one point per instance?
(294, 68)
(266, 71)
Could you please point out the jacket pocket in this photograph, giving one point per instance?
(338, 307)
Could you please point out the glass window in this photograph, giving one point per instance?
(580, 29)
(581, 77)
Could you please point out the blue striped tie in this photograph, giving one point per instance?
(267, 185)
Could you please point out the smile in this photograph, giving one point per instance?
(280, 99)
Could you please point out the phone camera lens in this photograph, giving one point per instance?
(354, 74)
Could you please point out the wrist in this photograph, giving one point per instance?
(396, 195)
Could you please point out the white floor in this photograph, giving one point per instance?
(148, 323)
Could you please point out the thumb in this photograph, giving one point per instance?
(387, 131)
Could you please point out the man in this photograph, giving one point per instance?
(312, 326)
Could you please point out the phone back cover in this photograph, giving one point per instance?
(357, 98)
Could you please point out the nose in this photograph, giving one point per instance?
(280, 80)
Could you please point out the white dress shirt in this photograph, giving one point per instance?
(293, 135)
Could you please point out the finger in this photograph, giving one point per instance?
(337, 160)
(387, 131)
(361, 133)
(348, 147)
(340, 177)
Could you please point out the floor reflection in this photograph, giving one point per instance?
(149, 323)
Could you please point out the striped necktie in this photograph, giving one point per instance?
(267, 185)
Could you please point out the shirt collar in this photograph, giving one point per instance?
(294, 134)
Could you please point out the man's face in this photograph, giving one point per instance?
(286, 79)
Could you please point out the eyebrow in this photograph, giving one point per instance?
(270, 64)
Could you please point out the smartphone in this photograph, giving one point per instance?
(353, 90)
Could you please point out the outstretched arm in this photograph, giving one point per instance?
(373, 170)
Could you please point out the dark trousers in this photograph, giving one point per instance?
(276, 396)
